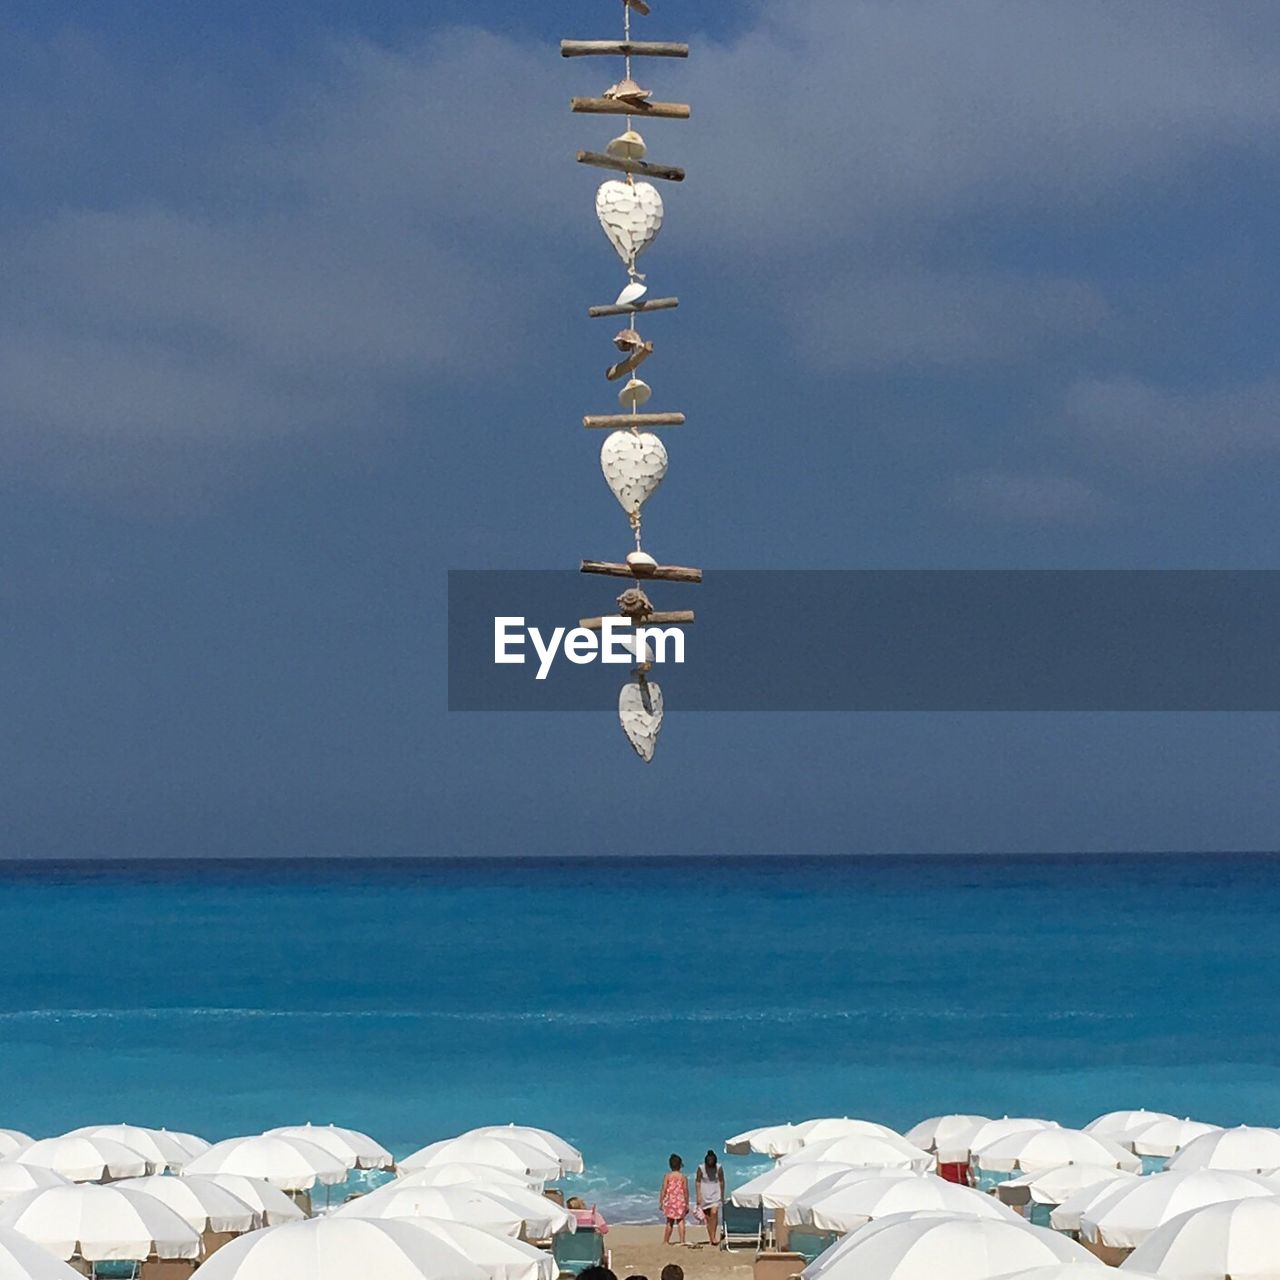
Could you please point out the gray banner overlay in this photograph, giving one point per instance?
(897, 641)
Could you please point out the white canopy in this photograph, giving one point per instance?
(868, 1150)
(268, 1202)
(12, 1141)
(503, 1210)
(191, 1142)
(284, 1162)
(848, 1207)
(960, 1145)
(569, 1157)
(1039, 1150)
(504, 1152)
(485, 1175)
(162, 1150)
(929, 1134)
(356, 1150)
(1055, 1186)
(500, 1257)
(1167, 1137)
(782, 1185)
(203, 1204)
(1120, 1125)
(84, 1159)
(100, 1224)
(932, 1246)
(1132, 1211)
(1245, 1149)
(17, 1179)
(22, 1259)
(335, 1248)
(1238, 1239)
(768, 1140)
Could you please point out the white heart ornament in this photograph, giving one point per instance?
(634, 465)
(630, 215)
(640, 713)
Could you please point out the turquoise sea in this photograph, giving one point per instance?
(638, 1007)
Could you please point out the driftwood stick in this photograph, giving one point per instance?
(597, 161)
(631, 363)
(620, 421)
(612, 107)
(628, 309)
(680, 618)
(660, 572)
(622, 49)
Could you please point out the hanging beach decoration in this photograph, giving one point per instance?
(634, 461)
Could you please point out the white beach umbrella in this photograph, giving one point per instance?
(864, 1149)
(100, 1224)
(23, 1259)
(356, 1150)
(937, 1131)
(767, 1140)
(780, 1186)
(1056, 1186)
(1132, 1211)
(814, 1131)
(1165, 1138)
(193, 1144)
(504, 1210)
(1063, 1271)
(485, 1175)
(84, 1159)
(499, 1257)
(162, 1150)
(288, 1163)
(1236, 1240)
(848, 1207)
(1067, 1216)
(271, 1204)
(17, 1179)
(929, 1246)
(203, 1204)
(959, 1146)
(1039, 1150)
(505, 1153)
(1244, 1149)
(569, 1157)
(1119, 1125)
(335, 1248)
(12, 1141)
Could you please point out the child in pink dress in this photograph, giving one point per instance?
(673, 1201)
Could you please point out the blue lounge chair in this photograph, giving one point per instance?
(575, 1251)
(809, 1244)
(741, 1226)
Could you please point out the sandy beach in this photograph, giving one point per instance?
(639, 1250)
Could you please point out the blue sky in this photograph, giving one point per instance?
(291, 322)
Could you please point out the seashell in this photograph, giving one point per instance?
(631, 215)
(635, 394)
(628, 91)
(632, 293)
(640, 714)
(627, 146)
(634, 465)
(641, 562)
(628, 340)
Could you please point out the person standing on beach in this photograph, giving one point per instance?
(710, 1194)
(673, 1201)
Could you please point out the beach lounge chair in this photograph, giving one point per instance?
(809, 1244)
(575, 1251)
(741, 1226)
